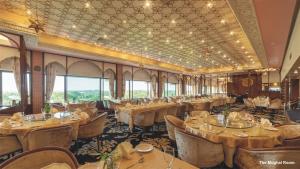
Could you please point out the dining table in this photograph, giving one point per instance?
(151, 160)
(127, 113)
(242, 134)
(22, 126)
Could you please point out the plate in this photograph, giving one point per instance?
(240, 134)
(271, 128)
(144, 147)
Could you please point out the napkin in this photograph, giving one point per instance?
(17, 116)
(265, 122)
(124, 150)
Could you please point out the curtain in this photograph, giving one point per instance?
(17, 73)
(162, 85)
(50, 80)
(153, 87)
(112, 86)
(111, 80)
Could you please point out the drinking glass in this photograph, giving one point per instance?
(169, 153)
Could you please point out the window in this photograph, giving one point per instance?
(106, 95)
(189, 89)
(83, 89)
(127, 89)
(58, 95)
(170, 89)
(140, 89)
(9, 89)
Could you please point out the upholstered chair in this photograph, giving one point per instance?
(160, 114)
(205, 106)
(55, 136)
(275, 104)
(291, 134)
(172, 110)
(252, 158)
(94, 128)
(40, 158)
(173, 122)
(199, 113)
(197, 150)
(144, 119)
(9, 144)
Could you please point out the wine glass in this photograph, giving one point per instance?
(169, 153)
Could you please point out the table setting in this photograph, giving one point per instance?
(238, 129)
(20, 124)
(142, 156)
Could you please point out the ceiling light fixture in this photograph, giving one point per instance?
(28, 12)
(147, 4)
(210, 4)
(223, 21)
(231, 32)
(87, 5)
(74, 26)
(238, 41)
(173, 21)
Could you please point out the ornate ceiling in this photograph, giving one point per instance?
(190, 33)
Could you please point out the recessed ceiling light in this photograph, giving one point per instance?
(249, 56)
(209, 4)
(298, 67)
(149, 33)
(223, 21)
(173, 21)
(191, 33)
(231, 32)
(87, 5)
(147, 3)
(211, 47)
(28, 12)
(73, 26)
(104, 36)
(246, 52)
(181, 47)
(202, 40)
(124, 21)
(219, 52)
(128, 43)
(167, 41)
(238, 41)
(224, 56)
(243, 47)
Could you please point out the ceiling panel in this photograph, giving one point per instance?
(191, 33)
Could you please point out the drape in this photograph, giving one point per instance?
(162, 85)
(112, 86)
(153, 87)
(17, 73)
(124, 87)
(50, 80)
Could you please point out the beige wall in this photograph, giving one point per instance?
(293, 51)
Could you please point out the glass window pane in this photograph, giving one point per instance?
(127, 89)
(83, 89)
(9, 89)
(141, 89)
(171, 89)
(58, 90)
(106, 91)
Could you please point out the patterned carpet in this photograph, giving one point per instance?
(114, 133)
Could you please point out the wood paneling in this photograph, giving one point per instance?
(119, 81)
(37, 80)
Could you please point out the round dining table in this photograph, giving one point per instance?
(27, 123)
(248, 136)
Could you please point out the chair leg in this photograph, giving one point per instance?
(98, 144)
